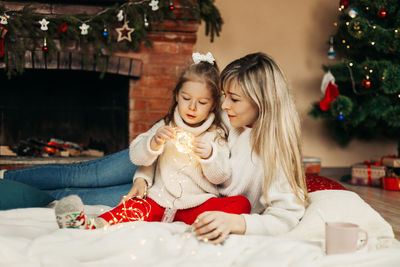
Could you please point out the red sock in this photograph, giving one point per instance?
(331, 94)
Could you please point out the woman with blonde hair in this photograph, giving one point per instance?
(266, 156)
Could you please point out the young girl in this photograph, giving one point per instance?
(185, 181)
(266, 155)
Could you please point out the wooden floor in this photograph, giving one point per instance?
(387, 203)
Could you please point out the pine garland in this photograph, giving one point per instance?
(24, 30)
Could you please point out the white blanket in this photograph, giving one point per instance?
(30, 237)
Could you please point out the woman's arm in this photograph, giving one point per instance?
(281, 214)
(280, 217)
(216, 226)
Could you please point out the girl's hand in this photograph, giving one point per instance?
(163, 134)
(215, 226)
(139, 189)
(202, 149)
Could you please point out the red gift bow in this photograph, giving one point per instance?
(387, 156)
(369, 163)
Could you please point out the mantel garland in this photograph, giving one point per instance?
(123, 27)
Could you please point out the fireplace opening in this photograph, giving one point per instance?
(73, 106)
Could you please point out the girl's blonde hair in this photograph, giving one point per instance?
(207, 74)
(275, 135)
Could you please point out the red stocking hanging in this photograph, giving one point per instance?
(3, 32)
(330, 89)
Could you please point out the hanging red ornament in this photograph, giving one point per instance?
(366, 83)
(344, 4)
(382, 13)
(62, 28)
(3, 32)
(171, 6)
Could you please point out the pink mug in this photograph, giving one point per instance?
(343, 237)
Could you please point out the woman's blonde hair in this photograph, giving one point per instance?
(276, 134)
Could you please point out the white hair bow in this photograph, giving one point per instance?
(197, 58)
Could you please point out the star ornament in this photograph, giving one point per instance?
(124, 33)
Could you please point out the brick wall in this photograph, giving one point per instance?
(150, 95)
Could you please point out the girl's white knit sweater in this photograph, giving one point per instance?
(284, 211)
(181, 180)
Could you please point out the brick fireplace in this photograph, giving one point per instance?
(150, 74)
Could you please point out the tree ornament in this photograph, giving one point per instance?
(4, 19)
(3, 32)
(120, 15)
(330, 89)
(171, 5)
(382, 13)
(43, 24)
(340, 116)
(62, 28)
(84, 28)
(105, 32)
(331, 51)
(344, 4)
(124, 33)
(45, 48)
(353, 12)
(146, 22)
(154, 5)
(366, 83)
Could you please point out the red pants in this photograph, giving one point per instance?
(148, 210)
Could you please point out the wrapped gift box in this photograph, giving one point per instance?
(391, 183)
(312, 165)
(367, 174)
(390, 161)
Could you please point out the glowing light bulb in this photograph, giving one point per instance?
(183, 141)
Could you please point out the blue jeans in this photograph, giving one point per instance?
(100, 181)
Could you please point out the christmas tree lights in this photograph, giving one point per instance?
(367, 72)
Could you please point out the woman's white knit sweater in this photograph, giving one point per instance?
(181, 180)
(284, 211)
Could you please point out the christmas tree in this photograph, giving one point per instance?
(362, 88)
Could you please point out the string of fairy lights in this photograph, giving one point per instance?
(138, 209)
(353, 23)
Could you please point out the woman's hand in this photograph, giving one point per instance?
(163, 134)
(202, 149)
(215, 226)
(139, 189)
